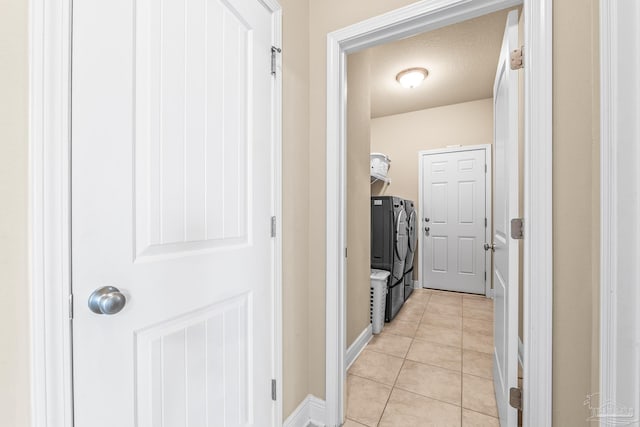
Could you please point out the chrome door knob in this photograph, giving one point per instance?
(107, 300)
(490, 246)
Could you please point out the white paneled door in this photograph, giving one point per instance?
(454, 219)
(505, 208)
(172, 172)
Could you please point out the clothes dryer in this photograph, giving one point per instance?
(389, 247)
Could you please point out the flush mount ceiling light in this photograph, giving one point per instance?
(412, 77)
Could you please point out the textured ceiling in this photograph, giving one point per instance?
(461, 59)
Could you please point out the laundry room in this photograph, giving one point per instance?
(420, 138)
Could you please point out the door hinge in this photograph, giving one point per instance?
(273, 390)
(273, 226)
(517, 58)
(485, 168)
(485, 223)
(485, 276)
(274, 51)
(345, 252)
(515, 398)
(517, 228)
(70, 306)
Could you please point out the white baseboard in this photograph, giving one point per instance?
(310, 412)
(358, 345)
(520, 353)
(416, 285)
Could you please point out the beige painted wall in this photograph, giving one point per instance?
(575, 208)
(295, 209)
(358, 193)
(14, 291)
(402, 136)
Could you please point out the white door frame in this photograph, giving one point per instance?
(50, 213)
(619, 229)
(488, 153)
(538, 258)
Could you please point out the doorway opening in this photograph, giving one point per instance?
(386, 28)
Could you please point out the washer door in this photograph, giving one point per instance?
(413, 232)
(401, 235)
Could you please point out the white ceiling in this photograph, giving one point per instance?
(461, 59)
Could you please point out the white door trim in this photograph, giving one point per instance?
(619, 230)
(488, 153)
(50, 214)
(410, 20)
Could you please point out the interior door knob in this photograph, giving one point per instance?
(490, 246)
(107, 300)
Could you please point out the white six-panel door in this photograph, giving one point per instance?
(172, 198)
(453, 219)
(505, 208)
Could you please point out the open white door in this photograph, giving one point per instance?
(172, 204)
(505, 208)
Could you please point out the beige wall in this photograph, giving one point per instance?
(575, 208)
(295, 209)
(358, 193)
(14, 291)
(402, 136)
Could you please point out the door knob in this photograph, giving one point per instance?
(490, 246)
(426, 230)
(107, 300)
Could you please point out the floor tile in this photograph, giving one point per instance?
(377, 366)
(475, 419)
(366, 400)
(351, 423)
(387, 343)
(411, 410)
(478, 395)
(478, 364)
(472, 313)
(440, 335)
(400, 327)
(446, 298)
(410, 313)
(430, 381)
(440, 355)
(441, 320)
(446, 309)
(477, 302)
(421, 294)
(477, 342)
(479, 327)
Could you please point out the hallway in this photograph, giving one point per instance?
(431, 366)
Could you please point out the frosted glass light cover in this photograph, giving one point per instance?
(411, 77)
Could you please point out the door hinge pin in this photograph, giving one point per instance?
(485, 223)
(274, 51)
(515, 398)
(70, 306)
(273, 390)
(517, 58)
(273, 226)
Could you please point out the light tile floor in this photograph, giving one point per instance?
(431, 366)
